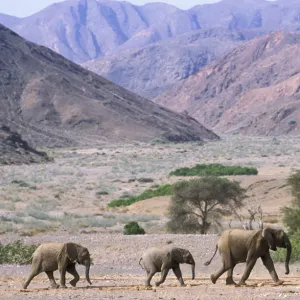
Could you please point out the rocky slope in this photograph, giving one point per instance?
(150, 70)
(54, 102)
(14, 150)
(254, 89)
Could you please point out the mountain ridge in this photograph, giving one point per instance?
(53, 102)
(254, 89)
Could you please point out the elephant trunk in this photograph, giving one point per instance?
(193, 271)
(87, 272)
(288, 255)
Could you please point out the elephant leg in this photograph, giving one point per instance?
(30, 277)
(178, 274)
(72, 270)
(268, 262)
(62, 272)
(227, 265)
(34, 272)
(150, 274)
(229, 278)
(164, 273)
(249, 266)
(53, 284)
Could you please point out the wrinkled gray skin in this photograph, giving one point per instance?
(237, 246)
(163, 259)
(49, 257)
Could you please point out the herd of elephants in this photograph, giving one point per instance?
(235, 246)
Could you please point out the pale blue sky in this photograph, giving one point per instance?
(22, 8)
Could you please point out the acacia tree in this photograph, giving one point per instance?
(198, 203)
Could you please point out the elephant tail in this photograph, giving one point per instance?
(208, 262)
(140, 263)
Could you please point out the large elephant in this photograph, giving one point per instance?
(237, 246)
(163, 259)
(49, 257)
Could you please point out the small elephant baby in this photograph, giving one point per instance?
(49, 257)
(163, 259)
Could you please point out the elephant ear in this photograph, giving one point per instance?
(71, 251)
(268, 234)
(176, 254)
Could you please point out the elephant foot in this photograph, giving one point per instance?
(183, 285)
(213, 278)
(24, 287)
(63, 287)
(241, 283)
(54, 286)
(157, 283)
(279, 282)
(229, 281)
(73, 282)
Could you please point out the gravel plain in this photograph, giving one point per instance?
(116, 273)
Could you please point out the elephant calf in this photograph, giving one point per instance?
(163, 259)
(49, 257)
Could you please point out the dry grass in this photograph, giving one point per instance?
(83, 181)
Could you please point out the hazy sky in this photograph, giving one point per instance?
(21, 8)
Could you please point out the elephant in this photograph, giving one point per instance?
(163, 259)
(49, 257)
(238, 245)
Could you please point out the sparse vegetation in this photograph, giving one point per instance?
(133, 228)
(214, 170)
(198, 204)
(291, 214)
(100, 193)
(162, 190)
(16, 253)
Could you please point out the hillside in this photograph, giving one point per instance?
(54, 102)
(150, 70)
(254, 89)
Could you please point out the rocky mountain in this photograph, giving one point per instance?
(254, 89)
(14, 150)
(83, 30)
(148, 48)
(150, 70)
(52, 101)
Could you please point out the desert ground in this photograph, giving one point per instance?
(66, 200)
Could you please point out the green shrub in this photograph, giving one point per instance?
(291, 214)
(214, 170)
(16, 253)
(102, 193)
(280, 254)
(162, 190)
(133, 228)
(292, 122)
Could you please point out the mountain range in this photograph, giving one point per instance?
(151, 70)
(82, 30)
(254, 89)
(54, 102)
(116, 39)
